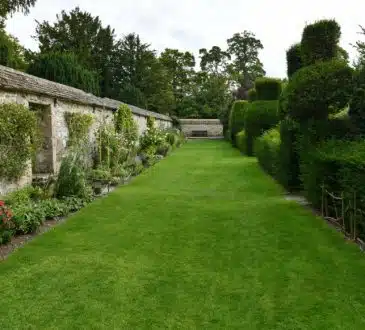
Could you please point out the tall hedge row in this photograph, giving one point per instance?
(237, 118)
(294, 59)
(317, 90)
(320, 41)
(260, 116)
(267, 89)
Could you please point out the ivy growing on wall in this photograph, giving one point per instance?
(125, 125)
(78, 127)
(19, 138)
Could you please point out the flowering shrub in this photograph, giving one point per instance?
(152, 137)
(6, 224)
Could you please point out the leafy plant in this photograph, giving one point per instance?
(72, 175)
(125, 125)
(78, 127)
(19, 137)
(100, 174)
(6, 223)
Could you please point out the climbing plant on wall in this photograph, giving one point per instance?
(125, 125)
(19, 138)
(78, 127)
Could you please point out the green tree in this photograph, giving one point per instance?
(215, 60)
(83, 35)
(180, 67)
(246, 66)
(11, 6)
(64, 68)
(11, 52)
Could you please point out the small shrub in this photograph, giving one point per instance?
(152, 137)
(125, 125)
(267, 89)
(71, 179)
(318, 90)
(267, 148)
(259, 117)
(22, 196)
(163, 149)
(6, 223)
(28, 218)
(252, 95)
(241, 141)
(320, 41)
(100, 174)
(237, 118)
(293, 59)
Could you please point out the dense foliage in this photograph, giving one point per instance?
(241, 142)
(64, 68)
(317, 90)
(11, 52)
(260, 116)
(237, 118)
(19, 136)
(78, 125)
(266, 149)
(293, 59)
(320, 41)
(268, 89)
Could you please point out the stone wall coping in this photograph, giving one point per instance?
(195, 121)
(13, 80)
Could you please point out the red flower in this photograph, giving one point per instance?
(2, 203)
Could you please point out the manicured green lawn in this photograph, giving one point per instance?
(204, 240)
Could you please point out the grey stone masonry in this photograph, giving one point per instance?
(55, 100)
(13, 80)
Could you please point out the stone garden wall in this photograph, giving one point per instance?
(202, 127)
(55, 100)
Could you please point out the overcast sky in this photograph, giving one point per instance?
(194, 24)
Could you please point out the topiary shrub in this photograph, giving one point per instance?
(320, 41)
(252, 95)
(241, 141)
(293, 59)
(19, 137)
(339, 165)
(260, 116)
(288, 172)
(266, 149)
(268, 88)
(357, 109)
(237, 118)
(317, 90)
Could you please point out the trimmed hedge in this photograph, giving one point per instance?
(317, 90)
(288, 174)
(320, 41)
(260, 116)
(267, 148)
(237, 118)
(241, 141)
(252, 95)
(293, 59)
(268, 89)
(357, 109)
(340, 166)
